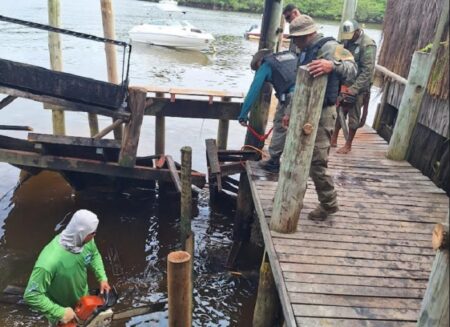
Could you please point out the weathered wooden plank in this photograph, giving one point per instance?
(90, 166)
(193, 109)
(387, 292)
(353, 239)
(354, 254)
(353, 271)
(354, 280)
(354, 246)
(354, 313)
(73, 140)
(212, 156)
(354, 301)
(321, 322)
(174, 173)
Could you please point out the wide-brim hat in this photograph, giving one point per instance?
(258, 56)
(302, 25)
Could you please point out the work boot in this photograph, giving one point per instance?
(272, 165)
(321, 213)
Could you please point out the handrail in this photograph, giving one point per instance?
(390, 74)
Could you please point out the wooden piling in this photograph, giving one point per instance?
(382, 105)
(110, 50)
(268, 40)
(307, 105)
(160, 134)
(54, 46)
(93, 124)
(435, 305)
(222, 134)
(348, 12)
(186, 194)
(130, 141)
(268, 310)
(179, 289)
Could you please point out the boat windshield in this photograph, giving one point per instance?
(171, 22)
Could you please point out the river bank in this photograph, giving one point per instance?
(369, 11)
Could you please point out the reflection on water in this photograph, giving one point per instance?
(142, 233)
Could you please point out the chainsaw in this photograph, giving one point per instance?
(90, 306)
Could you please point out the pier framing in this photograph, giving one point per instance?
(368, 264)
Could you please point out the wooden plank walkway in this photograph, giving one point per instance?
(369, 263)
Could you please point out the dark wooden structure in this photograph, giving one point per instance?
(368, 264)
(429, 149)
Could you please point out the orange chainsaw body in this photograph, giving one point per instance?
(85, 308)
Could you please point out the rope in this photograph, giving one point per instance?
(260, 137)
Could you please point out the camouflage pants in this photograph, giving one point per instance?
(279, 132)
(319, 164)
(354, 113)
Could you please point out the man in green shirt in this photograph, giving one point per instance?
(59, 276)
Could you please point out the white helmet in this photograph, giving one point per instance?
(349, 27)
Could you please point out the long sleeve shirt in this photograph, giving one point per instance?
(263, 74)
(59, 278)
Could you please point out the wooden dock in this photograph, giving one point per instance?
(369, 263)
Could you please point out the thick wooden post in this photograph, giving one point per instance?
(54, 46)
(130, 141)
(179, 289)
(418, 77)
(296, 161)
(186, 194)
(268, 307)
(348, 12)
(160, 134)
(93, 124)
(408, 110)
(222, 134)
(111, 58)
(435, 304)
(269, 37)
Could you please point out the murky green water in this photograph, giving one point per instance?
(141, 231)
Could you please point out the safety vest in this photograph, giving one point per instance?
(284, 71)
(310, 54)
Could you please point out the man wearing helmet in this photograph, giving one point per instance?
(356, 94)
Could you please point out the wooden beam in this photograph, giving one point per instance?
(174, 173)
(57, 163)
(68, 105)
(194, 109)
(307, 105)
(108, 129)
(136, 99)
(7, 100)
(160, 134)
(391, 75)
(15, 128)
(73, 140)
(186, 195)
(222, 133)
(213, 162)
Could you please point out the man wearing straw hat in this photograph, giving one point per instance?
(357, 93)
(322, 55)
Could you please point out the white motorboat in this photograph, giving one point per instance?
(168, 5)
(254, 32)
(172, 33)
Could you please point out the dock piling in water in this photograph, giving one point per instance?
(179, 289)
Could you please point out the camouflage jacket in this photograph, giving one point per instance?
(364, 51)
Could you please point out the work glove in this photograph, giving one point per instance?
(68, 316)
(242, 121)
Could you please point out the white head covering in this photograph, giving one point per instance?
(83, 223)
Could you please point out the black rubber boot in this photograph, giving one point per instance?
(272, 165)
